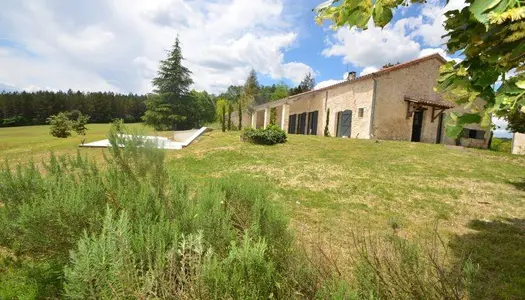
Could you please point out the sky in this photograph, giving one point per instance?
(116, 45)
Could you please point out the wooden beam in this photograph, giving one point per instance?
(434, 115)
(412, 107)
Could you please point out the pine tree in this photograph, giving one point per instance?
(251, 87)
(307, 84)
(173, 103)
(250, 90)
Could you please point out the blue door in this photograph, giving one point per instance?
(344, 123)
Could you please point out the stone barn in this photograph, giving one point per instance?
(395, 103)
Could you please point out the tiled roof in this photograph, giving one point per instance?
(435, 103)
(368, 76)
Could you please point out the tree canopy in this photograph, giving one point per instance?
(488, 34)
(23, 108)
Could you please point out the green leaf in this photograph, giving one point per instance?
(486, 120)
(454, 117)
(469, 119)
(382, 14)
(453, 131)
(480, 8)
(521, 84)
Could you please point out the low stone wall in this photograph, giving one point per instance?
(181, 136)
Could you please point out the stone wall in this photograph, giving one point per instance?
(352, 97)
(466, 142)
(246, 120)
(417, 81)
(310, 103)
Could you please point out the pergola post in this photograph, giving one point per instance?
(254, 120)
(285, 112)
(266, 117)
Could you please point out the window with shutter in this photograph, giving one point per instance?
(480, 134)
(473, 134)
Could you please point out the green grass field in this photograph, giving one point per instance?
(332, 187)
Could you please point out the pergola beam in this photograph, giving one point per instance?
(439, 112)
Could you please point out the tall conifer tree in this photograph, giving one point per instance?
(171, 104)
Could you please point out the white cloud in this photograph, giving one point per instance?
(374, 47)
(397, 42)
(326, 83)
(432, 18)
(116, 44)
(368, 70)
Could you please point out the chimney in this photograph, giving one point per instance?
(351, 75)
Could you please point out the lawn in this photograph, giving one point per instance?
(332, 187)
(20, 144)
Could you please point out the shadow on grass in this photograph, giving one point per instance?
(520, 185)
(498, 247)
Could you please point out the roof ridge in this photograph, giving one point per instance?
(371, 75)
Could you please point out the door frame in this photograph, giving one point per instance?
(439, 137)
(340, 116)
(313, 121)
(417, 112)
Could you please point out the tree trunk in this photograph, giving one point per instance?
(224, 118)
(240, 114)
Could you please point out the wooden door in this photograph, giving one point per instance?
(417, 126)
(292, 122)
(440, 130)
(301, 123)
(312, 122)
(344, 126)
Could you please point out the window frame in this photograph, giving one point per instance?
(361, 112)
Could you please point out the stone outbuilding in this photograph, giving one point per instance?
(395, 103)
(518, 143)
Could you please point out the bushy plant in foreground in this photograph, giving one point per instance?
(271, 135)
(134, 230)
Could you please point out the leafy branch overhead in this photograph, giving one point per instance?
(490, 37)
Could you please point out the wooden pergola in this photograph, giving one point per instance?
(438, 107)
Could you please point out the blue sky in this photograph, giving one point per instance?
(116, 45)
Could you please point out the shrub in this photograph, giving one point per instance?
(64, 122)
(14, 121)
(270, 136)
(326, 130)
(394, 268)
(133, 230)
(117, 125)
(501, 145)
(61, 125)
(79, 122)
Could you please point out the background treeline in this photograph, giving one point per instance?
(23, 108)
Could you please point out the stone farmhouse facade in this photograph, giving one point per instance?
(395, 103)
